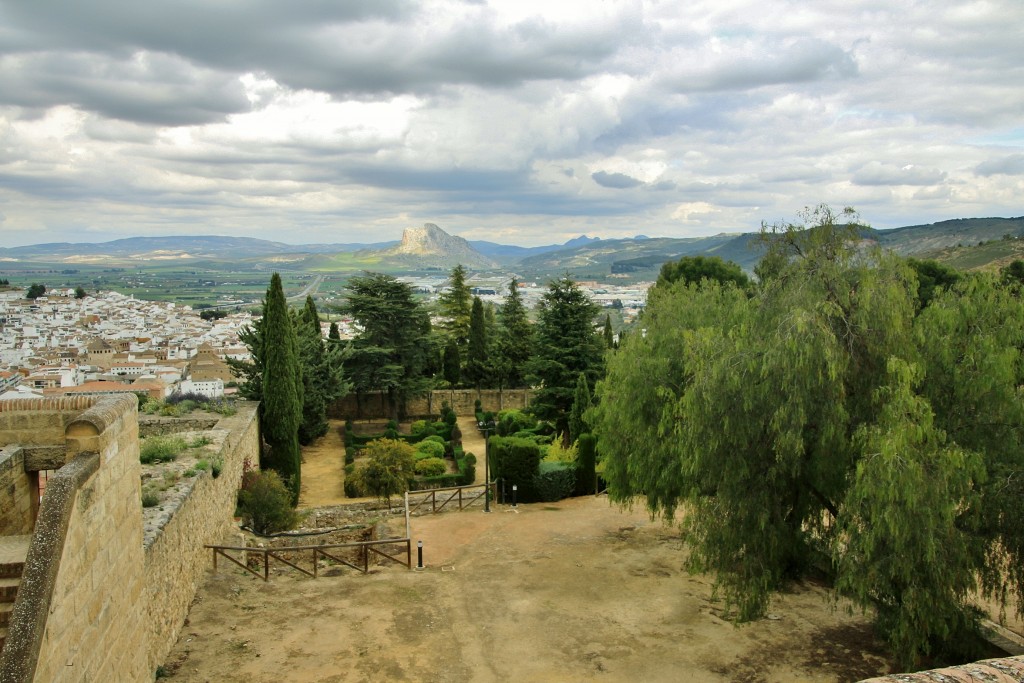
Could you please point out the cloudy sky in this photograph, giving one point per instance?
(520, 122)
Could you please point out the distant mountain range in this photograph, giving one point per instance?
(431, 248)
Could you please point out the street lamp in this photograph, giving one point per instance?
(487, 428)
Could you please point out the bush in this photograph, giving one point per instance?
(266, 503)
(388, 470)
(161, 449)
(150, 498)
(431, 448)
(431, 467)
(512, 421)
(554, 481)
(435, 439)
(350, 456)
(516, 461)
(191, 396)
(556, 452)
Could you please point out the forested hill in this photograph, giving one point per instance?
(964, 243)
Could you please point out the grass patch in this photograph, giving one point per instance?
(161, 449)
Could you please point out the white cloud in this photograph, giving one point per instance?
(529, 120)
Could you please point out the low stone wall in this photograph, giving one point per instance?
(373, 406)
(16, 494)
(161, 426)
(175, 559)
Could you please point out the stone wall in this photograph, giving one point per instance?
(176, 560)
(161, 426)
(94, 628)
(373, 406)
(16, 493)
(97, 602)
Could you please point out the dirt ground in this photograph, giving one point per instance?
(573, 591)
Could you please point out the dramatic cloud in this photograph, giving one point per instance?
(522, 120)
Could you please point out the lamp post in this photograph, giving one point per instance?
(487, 428)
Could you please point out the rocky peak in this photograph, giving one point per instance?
(432, 241)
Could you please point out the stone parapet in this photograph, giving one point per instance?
(374, 405)
(16, 493)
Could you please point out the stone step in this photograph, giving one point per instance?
(5, 613)
(11, 570)
(13, 550)
(9, 589)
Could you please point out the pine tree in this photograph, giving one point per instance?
(514, 345)
(455, 308)
(567, 346)
(395, 348)
(609, 336)
(334, 334)
(281, 408)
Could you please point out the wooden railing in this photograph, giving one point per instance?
(464, 496)
(366, 548)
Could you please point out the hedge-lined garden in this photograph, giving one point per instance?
(430, 456)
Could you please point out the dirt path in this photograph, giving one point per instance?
(572, 591)
(473, 442)
(323, 470)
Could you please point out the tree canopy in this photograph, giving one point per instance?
(455, 308)
(567, 345)
(693, 269)
(394, 350)
(822, 424)
(514, 344)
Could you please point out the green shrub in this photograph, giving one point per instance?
(350, 456)
(554, 481)
(203, 465)
(199, 441)
(431, 467)
(418, 427)
(266, 503)
(556, 452)
(431, 448)
(161, 448)
(190, 472)
(150, 498)
(434, 439)
(216, 466)
(352, 489)
(586, 459)
(388, 469)
(349, 469)
(512, 421)
(516, 461)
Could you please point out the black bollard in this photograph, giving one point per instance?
(515, 488)
(419, 554)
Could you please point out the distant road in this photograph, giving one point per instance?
(310, 289)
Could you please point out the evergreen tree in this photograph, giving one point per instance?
(80, 293)
(452, 364)
(395, 348)
(281, 406)
(314, 374)
(455, 308)
(514, 343)
(476, 370)
(609, 336)
(581, 403)
(333, 334)
(567, 346)
(35, 291)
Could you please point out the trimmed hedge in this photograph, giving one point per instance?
(554, 481)
(516, 461)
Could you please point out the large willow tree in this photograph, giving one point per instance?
(823, 424)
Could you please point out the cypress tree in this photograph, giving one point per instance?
(476, 358)
(609, 338)
(455, 306)
(581, 401)
(452, 363)
(281, 408)
(334, 334)
(314, 375)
